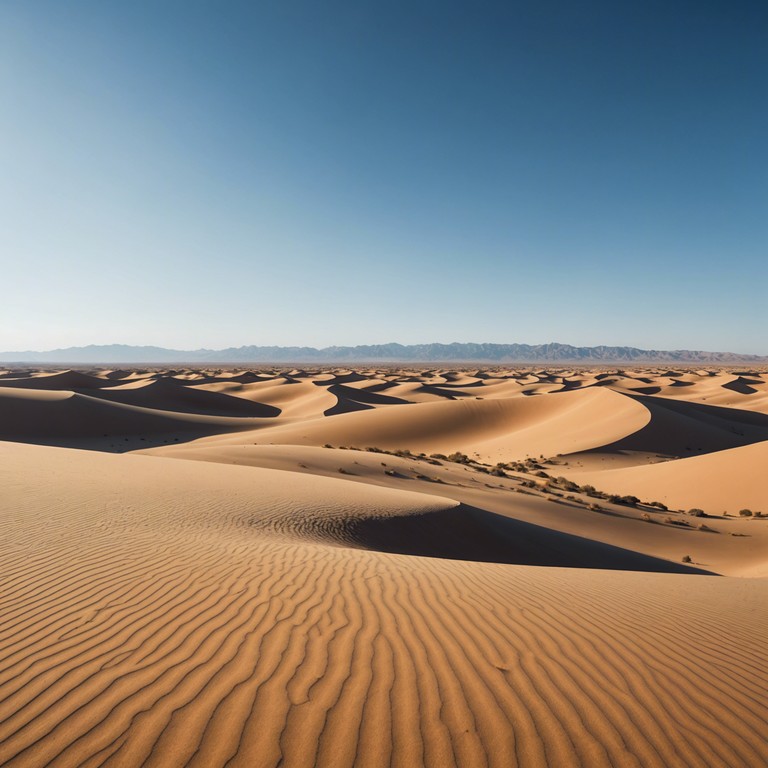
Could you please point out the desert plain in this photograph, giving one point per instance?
(384, 567)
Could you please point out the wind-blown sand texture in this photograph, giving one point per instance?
(188, 576)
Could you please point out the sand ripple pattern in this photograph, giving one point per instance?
(160, 627)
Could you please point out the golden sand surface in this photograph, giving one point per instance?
(384, 567)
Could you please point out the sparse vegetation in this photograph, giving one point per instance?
(629, 501)
(566, 484)
(687, 559)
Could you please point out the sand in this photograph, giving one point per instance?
(190, 577)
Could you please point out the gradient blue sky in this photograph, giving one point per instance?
(210, 174)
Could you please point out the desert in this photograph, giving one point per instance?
(384, 566)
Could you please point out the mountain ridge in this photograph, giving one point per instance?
(378, 353)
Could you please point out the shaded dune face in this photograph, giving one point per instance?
(209, 585)
(682, 428)
(466, 533)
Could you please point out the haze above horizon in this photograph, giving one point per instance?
(199, 175)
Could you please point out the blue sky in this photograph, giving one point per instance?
(211, 174)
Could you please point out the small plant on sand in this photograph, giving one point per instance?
(687, 559)
(745, 512)
(343, 471)
(458, 457)
(696, 512)
(566, 484)
(629, 501)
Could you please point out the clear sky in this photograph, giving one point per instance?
(211, 174)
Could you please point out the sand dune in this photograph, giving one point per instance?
(727, 480)
(496, 429)
(157, 622)
(165, 396)
(71, 418)
(237, 594)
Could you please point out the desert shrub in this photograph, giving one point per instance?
(658, 505)
(745, 512)
(498, 472)
(687, 559)
(438, 456)
(343, 471)
(327, 445)
(541, 473)
(696, 512)
(458, 457)
(614, 498)
(403, 453)
(646, 517)
(588, 489)
(704, 527)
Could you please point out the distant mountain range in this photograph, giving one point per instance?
(380, 353)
